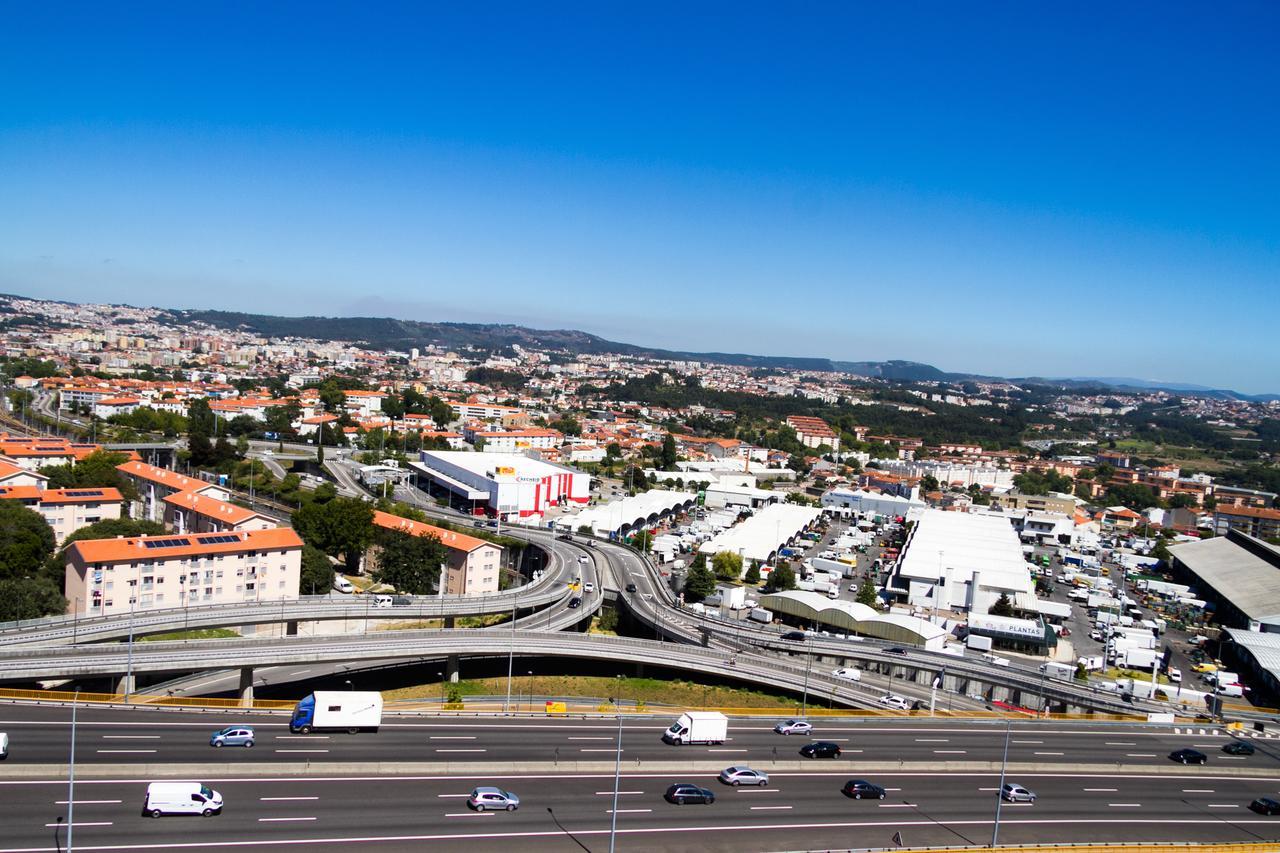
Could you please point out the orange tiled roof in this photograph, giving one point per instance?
(211, 507)
(128, 549)
(448, 538)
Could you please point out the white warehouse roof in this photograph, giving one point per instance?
(760, 536)
(633, 511)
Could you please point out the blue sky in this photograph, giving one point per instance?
(1005, 188)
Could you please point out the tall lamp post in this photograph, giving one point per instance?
(617, 767)
(511, 653)
(128, 675)
(995, 830)
(71, 773)
(808, 665)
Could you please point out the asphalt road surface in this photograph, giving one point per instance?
(41, 735)
(567, 813)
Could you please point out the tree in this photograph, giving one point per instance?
(30, 598)
(613, 451)
(97, 470)
(867, 593)
(26, 541)
(699, 582)
(782, 578)
(317, 571)
(1161, 551)
(928, 483)
(409, 563)
(753, 574)
(1182, 500)
(667, 457)
(727, 565)
(567, 424)
(1002, 606)
(342, 527)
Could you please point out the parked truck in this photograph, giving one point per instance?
(1139, 658)
(351, 711)
(1093, 663)
(761, 615)
(973, 641)
(1058, 670)
(698, 727)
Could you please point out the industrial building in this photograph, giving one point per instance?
(621, 517)
(761, 536)
(1237, 574)
(503, 485)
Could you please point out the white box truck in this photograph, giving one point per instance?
(733, 597)
(337, 711)
(1053, 669)
(761, 615)
(181, 798)
(698, 727)
(973, 641)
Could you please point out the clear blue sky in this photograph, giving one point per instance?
(1013, 188)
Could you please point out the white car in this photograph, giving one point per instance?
(588, 587)
(847, 673)
(1014, 793)
(894, 701)
(1175, 675)
(794, 727)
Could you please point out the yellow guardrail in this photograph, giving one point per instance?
(140, 699)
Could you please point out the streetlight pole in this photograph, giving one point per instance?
(617, 768)
(995, 830)
(511, 653)
(808, 665)
(128, 675)
(71, 773)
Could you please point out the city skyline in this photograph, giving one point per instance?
(1018, 192)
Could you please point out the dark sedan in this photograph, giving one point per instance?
(861, 789)
(821, 749)
(1188, 756)
(1238, 747)
(686, 792)
(1265, 805)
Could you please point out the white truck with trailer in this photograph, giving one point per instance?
(698, 727)
(349, 711)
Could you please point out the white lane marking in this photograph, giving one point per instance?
(899, 789)
(757, 790)
(118, 751)
(1119, 743)
(629, 811)
(87, 802)
(302, 750)
(932, 740)
(131, 737)
(949, 751)
(78, 823)
(302, 672)
(620, 793)
(717, 750)
(462, 750)
(1140, 755)
(589, 749)
(468, 814)
(1125, 805)
(301, 737)
(764, 808)
(455, 737)
(589, 738)
(851, 750)
(443, 796)
(1231, 758)
(1101, 790)
(1048, 753)
(1028, 741)
(897, 805)
(274, 799)
(282, 819)
(988, 789)
(1222, 805)
(1197, 790)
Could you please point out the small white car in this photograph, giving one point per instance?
(794, 727)
(847, 674)
(1175, 675)
(588, 587)
(1013, 793)
(892, 700)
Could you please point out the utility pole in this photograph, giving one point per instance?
(71, 773)
(995, 830)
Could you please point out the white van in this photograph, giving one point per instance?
(341, 584)
(181, 798)
(4, 746)
(382, 601)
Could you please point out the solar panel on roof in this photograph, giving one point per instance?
(165, 543)
(217, 540)
(95, 493)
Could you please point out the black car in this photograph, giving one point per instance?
(687, 792)
(821, 749)
(631, 587)
(1188, 756)
(794, 635)
(1238, 747)
(895, 650)
(1265, 805)
(861, 789)
(575, 602)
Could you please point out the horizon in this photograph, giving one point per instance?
(1017, 192)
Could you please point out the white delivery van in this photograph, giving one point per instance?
(181, 798)
(341, 584)
(698, 727)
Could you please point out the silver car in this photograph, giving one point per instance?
(1013, 793)
(232, 736)
(495, 799)
(743, 775)
(793, 727)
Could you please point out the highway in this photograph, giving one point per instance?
(40, 736)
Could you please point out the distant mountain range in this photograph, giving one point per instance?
(387, 333)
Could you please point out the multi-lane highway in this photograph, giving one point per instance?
(1093, 783)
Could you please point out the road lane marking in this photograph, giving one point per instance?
(87, 802)
(468, 814)
(949, 752)
(1231, 758)
(988, 789)
(282, 819)
(589, 749)
(897, 805)
(899, 789)
(1197, 791)
(608, 793)
(301, 737)
(1120, 743)
(131, 737)
(463, 750)
(932, 740)
(766, 808)
(119, 751)
(1222, 805)
(272, 799)
(1101, 790)
(718, 750)
(442, 796)
(628, 811)
(1125, 805)
(1028, 741)
(455, 737)
(78, 823)
(302, 750)
(758, 790)
(1048, 753)
(571, 737)
(302, 672)
(1140, 755)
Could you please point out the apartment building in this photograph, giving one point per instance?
(1054, 503)
(514, 440)
(36, 453)
(482, 411)
(194, 512)
(814, 432)
(155, 484)
(1236, 496)
(1258, 522)
(473, 564)
(13, 474)
(67, 510)
(108, 576)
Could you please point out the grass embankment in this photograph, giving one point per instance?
(1192, 457)
(193, 634)
(650, 691)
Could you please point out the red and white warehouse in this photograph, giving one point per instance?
(503, 483)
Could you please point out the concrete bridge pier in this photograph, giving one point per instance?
(451, 664)
(246, 687)
(126, 685)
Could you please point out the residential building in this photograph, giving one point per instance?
(113, 576)
(67, 510)
(1236, 496)
(473, 565)
(1254, 521)
(155, 484)
(512, 441)
(814, 432)
(195, 512)
(1052, 503)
